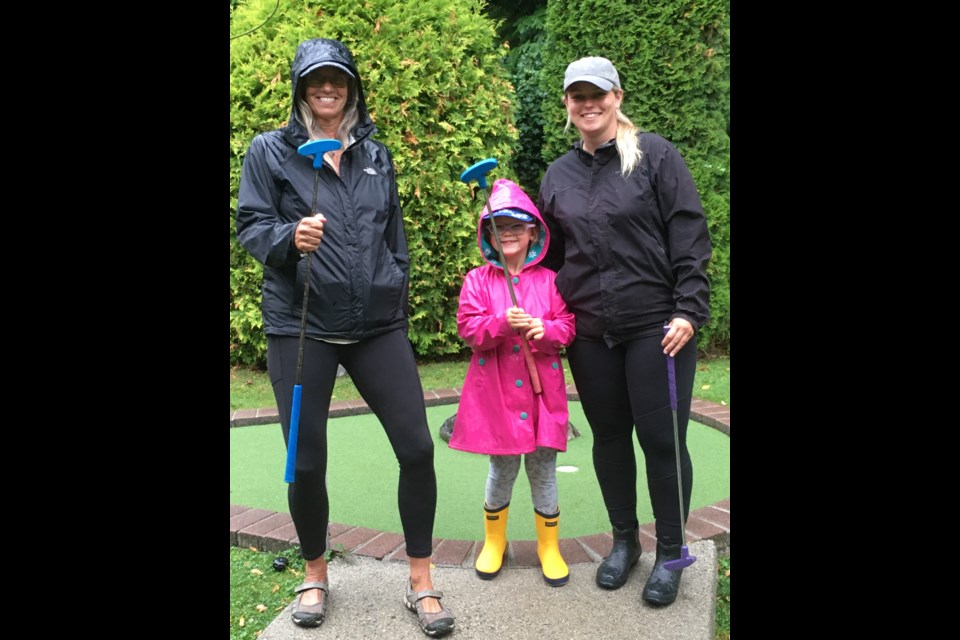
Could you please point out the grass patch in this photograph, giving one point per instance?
(722, 631)
(251, 389)
(257, 592)
(362, 478)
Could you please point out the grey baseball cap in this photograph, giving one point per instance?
(595, 70)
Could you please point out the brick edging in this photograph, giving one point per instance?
(274, 532)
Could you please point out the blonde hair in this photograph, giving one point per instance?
(628, 143)
(351, 115)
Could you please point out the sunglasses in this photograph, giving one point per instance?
(333, 76)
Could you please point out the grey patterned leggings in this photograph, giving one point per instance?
(541, 472)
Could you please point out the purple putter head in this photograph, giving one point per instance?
(317, 148)
(684, 561)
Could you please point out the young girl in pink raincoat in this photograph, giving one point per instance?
(499, 413)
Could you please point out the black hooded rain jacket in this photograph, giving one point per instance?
(360, 273)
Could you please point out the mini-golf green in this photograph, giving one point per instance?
(362, 478)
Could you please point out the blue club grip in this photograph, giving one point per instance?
(292, 437)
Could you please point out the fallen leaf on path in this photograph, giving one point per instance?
(242, 621)
(276, 588)
(706, 386)
(257, 572)
(261, 608)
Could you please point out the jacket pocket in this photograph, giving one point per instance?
(387, 289)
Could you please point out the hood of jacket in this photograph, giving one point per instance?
(310, 55)
(506, 194)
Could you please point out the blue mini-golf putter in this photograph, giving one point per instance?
(315, 148)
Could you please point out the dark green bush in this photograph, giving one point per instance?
(438, 92)
(524, 61)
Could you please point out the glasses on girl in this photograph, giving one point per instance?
(514, 228)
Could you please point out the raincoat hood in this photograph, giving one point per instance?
(320, 52)
(506, 194)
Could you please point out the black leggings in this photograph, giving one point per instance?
(625, 389)
(384, 371)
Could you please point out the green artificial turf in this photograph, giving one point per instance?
(362, 478)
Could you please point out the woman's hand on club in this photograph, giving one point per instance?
(309, 233)
(680, 333)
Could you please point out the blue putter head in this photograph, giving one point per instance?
(478, 172)
(317, 148)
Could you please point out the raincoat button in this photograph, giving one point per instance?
(516, 348)
(519, 383)
(523, 415)
(481, 361)
(516, 280)
(555, 365)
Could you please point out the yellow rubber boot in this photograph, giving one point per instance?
(555, 571)
(490, 560)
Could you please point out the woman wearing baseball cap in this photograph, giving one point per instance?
(630, 246)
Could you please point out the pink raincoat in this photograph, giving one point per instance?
(499, 413)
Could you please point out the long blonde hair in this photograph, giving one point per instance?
(351, 114)
(628, 143)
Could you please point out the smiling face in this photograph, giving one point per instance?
(593, 111)
(515, 236)
(326, 90)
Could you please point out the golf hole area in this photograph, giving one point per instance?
(362, 477)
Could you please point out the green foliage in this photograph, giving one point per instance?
(673, 61)
(248, 344)
(257, 592)
(525, 62)
(439, 94)
(722, 626)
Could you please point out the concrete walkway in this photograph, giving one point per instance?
(366, 601)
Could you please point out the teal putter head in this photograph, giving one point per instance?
(478, 172)
(317, 148)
